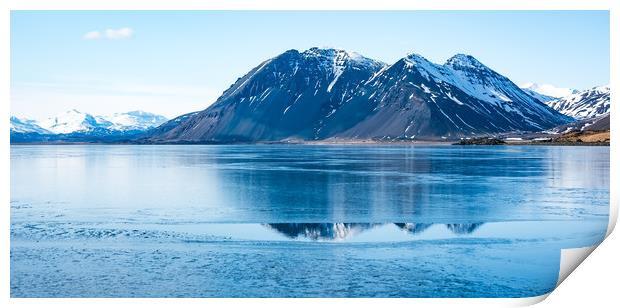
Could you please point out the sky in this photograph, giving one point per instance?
(174, 62)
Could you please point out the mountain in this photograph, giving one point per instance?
(321, 231)
(26, 126)
(415, 98)
(74, 121)
(588, 131)
(547, 90)
(585, 104)
(135, 120)
(345, 231)
(284, 97)
(76, 126)
(331, 93)
(168, 125)
(601, 123)
(598, 123)
(463, 228)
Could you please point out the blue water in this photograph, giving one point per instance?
(300, 220)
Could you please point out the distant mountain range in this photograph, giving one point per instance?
(332, 94)
(25, 126)
(77, 126)
(585, 104)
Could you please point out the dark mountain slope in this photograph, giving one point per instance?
(325, 93)
(414, 97)
(284, 97)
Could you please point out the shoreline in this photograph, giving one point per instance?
(326, 143)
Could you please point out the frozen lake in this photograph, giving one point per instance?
(300, 220)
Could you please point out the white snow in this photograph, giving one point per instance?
(338, 72)
(26, 126)
(335, 60)
(133, 120)
(548, 89)
(478, 81)
(75, 121)
(585, 104)
(454, 98)
(71, 121)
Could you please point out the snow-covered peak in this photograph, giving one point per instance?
(584, 104)
(135, 120)
(460, 61)
(335, 61)
(471, 77)
(72, 121)
(601, 89)
(418, 60)
(26, 126)
(416, 57)
(330, 53)
(427, 68)
(548, 90)
(337, 58)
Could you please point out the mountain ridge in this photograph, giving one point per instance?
(326, 93)
(589, 103)
(76, 126)
(74, 121)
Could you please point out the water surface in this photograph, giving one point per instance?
(300, 220)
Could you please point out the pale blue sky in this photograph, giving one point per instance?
(179, 61)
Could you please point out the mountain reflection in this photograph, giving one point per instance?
(321, 231)
(413, 227)
(463, 228)
(341, 231)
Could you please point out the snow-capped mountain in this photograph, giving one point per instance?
(135, 120)
(75, 126)
(74, 121)
(547, 91)
(286, 96)
(331, 93)
(25, 126)
(417, 98)
(585, 104)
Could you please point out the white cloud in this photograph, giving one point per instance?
(119, 34)
(92, 35)
(111, 34)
